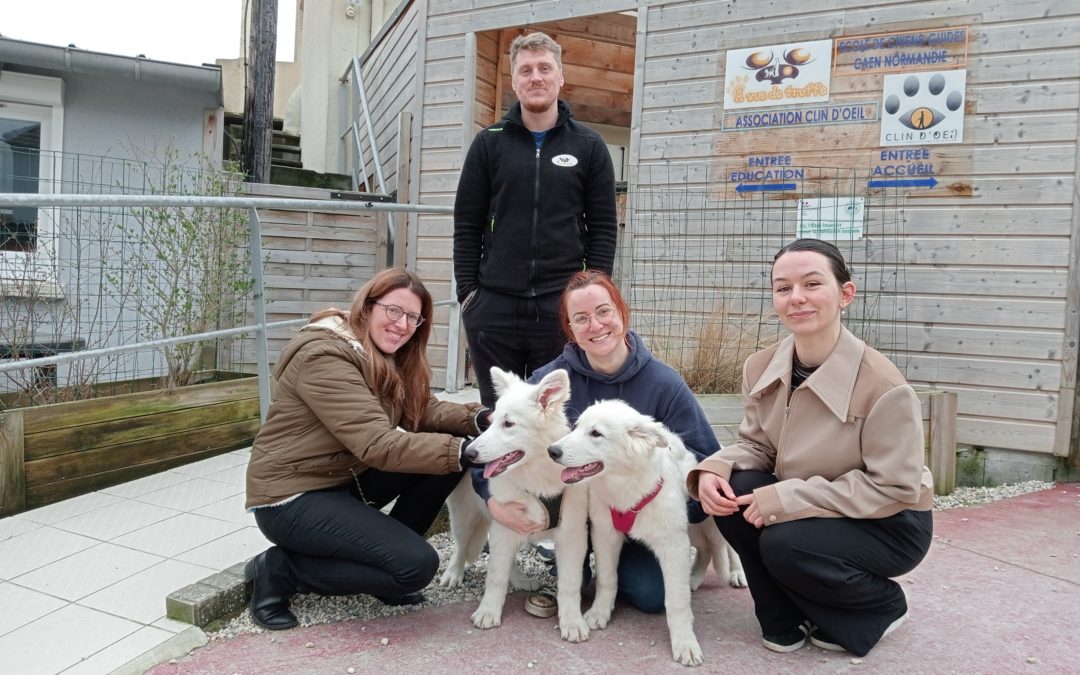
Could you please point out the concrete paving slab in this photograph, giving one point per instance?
(998, 593)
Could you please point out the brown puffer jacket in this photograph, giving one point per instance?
(325, 424)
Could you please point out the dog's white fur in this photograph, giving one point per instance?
(527, 418)
(624, 454)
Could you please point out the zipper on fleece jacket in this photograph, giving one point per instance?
(535, 226)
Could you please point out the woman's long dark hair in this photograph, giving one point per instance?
(405, 376)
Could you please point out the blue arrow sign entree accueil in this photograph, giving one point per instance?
(903, 182)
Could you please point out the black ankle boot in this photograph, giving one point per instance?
(269, 604)
(414, 598)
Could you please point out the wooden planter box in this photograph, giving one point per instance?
(54, 452)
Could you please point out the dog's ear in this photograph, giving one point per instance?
(501, 380)
(553, 389)
(649, 430)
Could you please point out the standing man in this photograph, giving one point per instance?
(535, 203)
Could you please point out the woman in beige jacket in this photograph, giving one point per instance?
(352, 427)
(825, 495)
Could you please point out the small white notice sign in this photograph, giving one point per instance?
(830, 218)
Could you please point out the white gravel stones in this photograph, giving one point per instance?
(970, 496)
(316, 609)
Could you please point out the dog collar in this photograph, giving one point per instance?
(624, 520)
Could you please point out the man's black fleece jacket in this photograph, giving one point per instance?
(526, 219)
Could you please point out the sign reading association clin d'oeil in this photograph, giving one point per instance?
(785, 74)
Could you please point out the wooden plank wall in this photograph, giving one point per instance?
(445, 134)
(987, 266)
(312, 260)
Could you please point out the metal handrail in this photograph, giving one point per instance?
(258, 299)
(360, 100)
(13, 199)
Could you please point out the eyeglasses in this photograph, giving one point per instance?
(603, 316)
(393, 312)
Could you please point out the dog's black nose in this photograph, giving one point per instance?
(469, 455)
(554, 452)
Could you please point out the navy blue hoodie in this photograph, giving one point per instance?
(648, 384)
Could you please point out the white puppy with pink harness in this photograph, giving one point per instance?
(636, 470)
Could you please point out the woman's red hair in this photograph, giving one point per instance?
(587, 278)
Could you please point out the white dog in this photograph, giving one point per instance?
(514, 449)
(637, 471)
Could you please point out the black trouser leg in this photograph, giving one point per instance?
(335, 544)
(837, 570)
(419, 496)
(775, 611)
(516, 334)
(489, 348)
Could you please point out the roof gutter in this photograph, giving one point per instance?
(85, 62)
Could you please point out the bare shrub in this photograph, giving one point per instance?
(710, 358)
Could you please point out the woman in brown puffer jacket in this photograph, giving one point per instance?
(353, 426)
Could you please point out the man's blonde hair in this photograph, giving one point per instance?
(534, 42)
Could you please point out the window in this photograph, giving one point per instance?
(31, 136)
(20, 169)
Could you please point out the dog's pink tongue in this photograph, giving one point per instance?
(573, 474)
(570, 474)
(490, 468)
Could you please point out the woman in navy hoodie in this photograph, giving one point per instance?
(606, 360)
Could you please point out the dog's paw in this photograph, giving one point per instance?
(574, 630)
(687, 652)
(737, 579)
(695, 580)
(597, 618)
(452, 578)
(485, 618)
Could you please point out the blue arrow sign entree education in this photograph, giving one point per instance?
(764, 187)
(903, 182)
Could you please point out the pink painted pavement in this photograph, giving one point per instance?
(998, 593)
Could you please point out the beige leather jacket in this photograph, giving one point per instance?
(848, 442)
(326, 425)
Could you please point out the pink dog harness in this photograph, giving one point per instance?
(624, 520)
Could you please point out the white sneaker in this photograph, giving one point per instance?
(790, 640)
(896, 624)
(545, 550)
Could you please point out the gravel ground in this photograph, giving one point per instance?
(970, 496)
(315, 609)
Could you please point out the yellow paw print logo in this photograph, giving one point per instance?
(736, 90)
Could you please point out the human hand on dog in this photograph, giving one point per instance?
(483, 419)
(515, 516)
(717, 497)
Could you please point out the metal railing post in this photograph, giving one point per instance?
(451, 384)
(262, 359)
